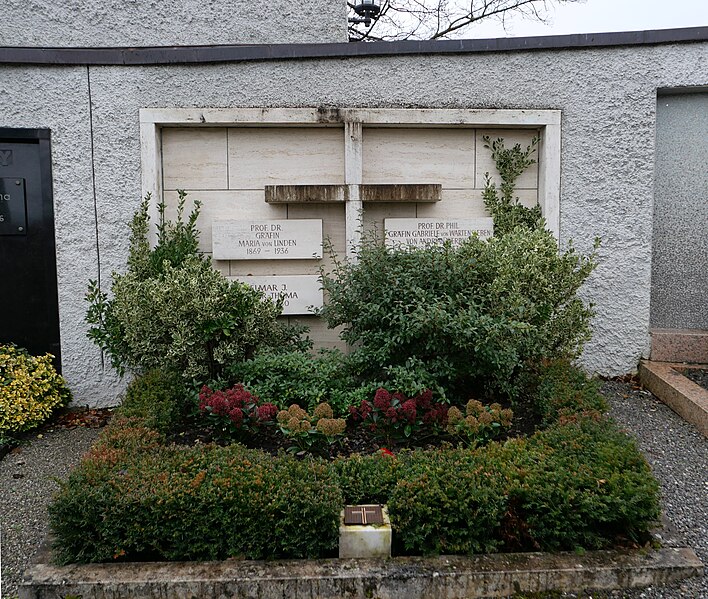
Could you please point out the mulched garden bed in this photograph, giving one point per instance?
(356, 441)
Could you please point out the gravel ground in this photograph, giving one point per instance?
(26, 487)
(677, 452)
(697, 375)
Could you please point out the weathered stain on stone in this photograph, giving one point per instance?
(410, 192)
(304, 194)
(444, 577)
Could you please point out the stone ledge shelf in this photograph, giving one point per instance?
(453, 577)
(327, 194)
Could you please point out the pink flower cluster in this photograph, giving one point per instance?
(395, 415)
(238, 405)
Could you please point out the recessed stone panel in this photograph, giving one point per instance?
(194, 158)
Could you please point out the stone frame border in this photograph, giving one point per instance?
(152, 120)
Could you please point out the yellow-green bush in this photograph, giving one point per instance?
(30, 389)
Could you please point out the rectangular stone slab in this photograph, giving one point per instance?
(299, 291)
(422, 232)
(267, 239)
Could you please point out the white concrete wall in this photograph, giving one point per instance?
(107, 23)
(608, 103)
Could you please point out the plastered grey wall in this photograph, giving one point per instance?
(679, 295)
(608, 103)
(106, 23)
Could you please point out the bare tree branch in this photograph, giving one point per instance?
(440, 19)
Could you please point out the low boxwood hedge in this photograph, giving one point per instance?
(577, 484)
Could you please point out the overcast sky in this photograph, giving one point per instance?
(594, 16)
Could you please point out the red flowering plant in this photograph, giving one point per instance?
(396, 418)
(235, 412)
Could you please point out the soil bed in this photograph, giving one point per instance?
(357, 440)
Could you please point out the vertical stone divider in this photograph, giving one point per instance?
(151, 167)
(353, 169)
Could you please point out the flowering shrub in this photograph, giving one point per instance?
(311, 433)
(30, 389)
(479, 423)
(235, 411)
(395, 418)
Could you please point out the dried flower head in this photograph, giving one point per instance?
(474, 407)
(331, 426)
(323, 410)
(454, 415)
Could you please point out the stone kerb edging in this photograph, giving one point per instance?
(446, 577)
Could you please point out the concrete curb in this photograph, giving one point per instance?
(682, 395)
(453, 577)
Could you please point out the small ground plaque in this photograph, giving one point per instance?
(299, 292)
(267, 239)
(363, 515)
(422, 232)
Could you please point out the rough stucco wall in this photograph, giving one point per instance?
(679, 295)
(607, 154)
(57, 98)
(106, 23)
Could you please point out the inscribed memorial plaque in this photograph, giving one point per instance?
(299, 292)
(267, 239)
(422, 232)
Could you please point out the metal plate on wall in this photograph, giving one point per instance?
(13, 206)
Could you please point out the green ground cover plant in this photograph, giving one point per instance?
(30, 391)
(499, 321)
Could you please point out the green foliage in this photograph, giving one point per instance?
(558, 389)
(296, 377)
(587, 485)
(479, 423)
(506, 210)
(159, 398)
(206, 503)
(172, 310)
(368, 479)
(450, 501)
(30, 390)
(465, 316)
(578, 485)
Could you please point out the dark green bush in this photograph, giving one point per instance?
(465, 316)
(451, 501)
(587, 486)
(558, 389)
(200, 503)
(158, 397)
(369, 478)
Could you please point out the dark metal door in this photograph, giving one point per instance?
(29, 308)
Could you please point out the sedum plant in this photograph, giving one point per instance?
(172, 310)
(30, 390)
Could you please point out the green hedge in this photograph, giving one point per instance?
(134, 498)
(581, 484)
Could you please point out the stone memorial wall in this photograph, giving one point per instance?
(276, 199)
